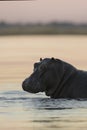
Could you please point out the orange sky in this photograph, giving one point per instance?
(44, 11)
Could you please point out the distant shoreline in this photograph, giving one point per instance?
(53, 28)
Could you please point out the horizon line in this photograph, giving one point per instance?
(49, 22)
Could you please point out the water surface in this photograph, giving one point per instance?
(20, 110)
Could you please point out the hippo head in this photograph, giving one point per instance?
(44, 78)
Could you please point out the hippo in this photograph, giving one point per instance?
(57, 78)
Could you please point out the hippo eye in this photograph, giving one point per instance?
(36, 66)
(34, 69)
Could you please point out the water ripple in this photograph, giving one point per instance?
(39, 101)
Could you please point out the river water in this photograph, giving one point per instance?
(20, 110)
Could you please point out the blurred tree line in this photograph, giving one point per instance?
(42, 28)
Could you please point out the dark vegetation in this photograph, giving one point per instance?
(40, 28)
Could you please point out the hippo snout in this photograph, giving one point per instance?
(24, 85)
(31, 86)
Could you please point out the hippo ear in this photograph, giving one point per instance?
(52, 58)
(41, 59)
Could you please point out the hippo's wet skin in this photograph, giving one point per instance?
(57, 79)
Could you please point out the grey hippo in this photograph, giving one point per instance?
(57, 78)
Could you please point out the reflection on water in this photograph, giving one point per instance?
(40, 112)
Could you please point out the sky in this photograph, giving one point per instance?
(44, 11)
